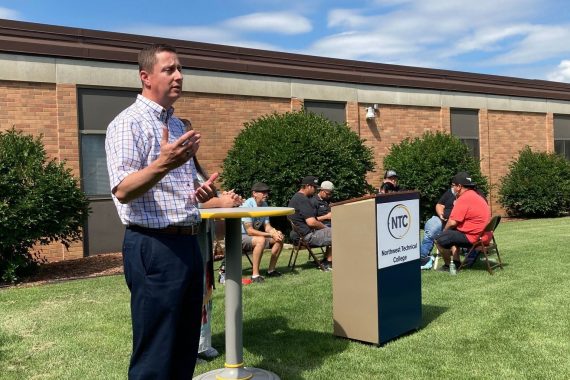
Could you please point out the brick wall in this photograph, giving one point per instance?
(393, 124)
(219, 118)
(51, 110)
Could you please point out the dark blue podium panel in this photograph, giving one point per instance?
(399, 300)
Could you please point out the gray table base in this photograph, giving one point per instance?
(234, 317)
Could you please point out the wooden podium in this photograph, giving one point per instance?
(376, 276)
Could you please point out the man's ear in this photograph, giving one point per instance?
(143, 74)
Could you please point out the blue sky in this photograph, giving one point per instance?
(520, 38)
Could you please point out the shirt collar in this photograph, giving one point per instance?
(159, 111)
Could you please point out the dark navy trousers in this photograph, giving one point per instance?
(165, 276)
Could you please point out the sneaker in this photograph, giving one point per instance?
(258, 279)
(200, 361)
(326, 265)
(426, 263)
(444, 268)
(274, 273)
(210, 353)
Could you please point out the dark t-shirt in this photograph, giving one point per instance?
(389, 187)
(322, 207)
(447, 200)
(303, 209)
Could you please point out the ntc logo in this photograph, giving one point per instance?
(399, 221)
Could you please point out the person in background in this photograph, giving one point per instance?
(258, 234)
(152, 178)
(467, 220)
(305, 219)
(321, 200)
(390, 183)
(435, 225)
(205, 240)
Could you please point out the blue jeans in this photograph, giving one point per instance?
(432, 227)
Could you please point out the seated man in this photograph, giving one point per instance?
(321, 202)
(258, 234)
(305, 219)
(467, 220)
(435, 225)
(390, 183)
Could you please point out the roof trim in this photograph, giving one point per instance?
(66, 42)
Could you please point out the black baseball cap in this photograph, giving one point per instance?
(260, 186)
(463, 179)
(310, 180)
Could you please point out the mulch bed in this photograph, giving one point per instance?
(91, 266)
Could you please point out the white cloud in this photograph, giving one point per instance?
(9, 14)
(541, 43)
(214, 35)
(270, 22)
(562, 73)
(349, 18)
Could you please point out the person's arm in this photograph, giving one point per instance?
(273, 232)
(439, 210)
(327, 216)
(172, 155)
(314, 223)
(450, 225)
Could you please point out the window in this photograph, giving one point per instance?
(562, 135)
(465, 126)
(333, 111)
(97, 108)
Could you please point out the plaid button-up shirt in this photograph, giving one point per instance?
(132, 143)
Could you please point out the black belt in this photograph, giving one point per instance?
(170, 230)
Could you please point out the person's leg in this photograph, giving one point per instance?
(258, 245)
(276, 247)
(165, 276)
(431, 229)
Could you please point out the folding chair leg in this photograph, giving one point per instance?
(294, 252)
(246, 253)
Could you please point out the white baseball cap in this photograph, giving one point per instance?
(327, 185)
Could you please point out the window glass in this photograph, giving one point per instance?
(331, 110)
(562, 135)
(465, 126)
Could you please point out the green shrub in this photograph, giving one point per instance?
(537, 185)
(40, 202)
(280, 149)
(428, 163)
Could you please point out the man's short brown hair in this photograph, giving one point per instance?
(147, 56)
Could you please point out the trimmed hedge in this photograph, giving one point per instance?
(428, 163)
(40, 202)
(280, 149)
(537, 185)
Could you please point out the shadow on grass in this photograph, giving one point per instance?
(430, 313)
(285, 351)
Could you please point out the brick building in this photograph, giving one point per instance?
(68, 83)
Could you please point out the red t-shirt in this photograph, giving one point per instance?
(472, 214)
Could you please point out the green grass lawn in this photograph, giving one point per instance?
(513, 325)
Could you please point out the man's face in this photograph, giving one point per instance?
(164, 83)
(260, 197)
(325, 194)
(311, 190)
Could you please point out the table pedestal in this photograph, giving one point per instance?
(234, 367)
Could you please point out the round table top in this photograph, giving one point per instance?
(241, 212)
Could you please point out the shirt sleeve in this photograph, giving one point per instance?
(124, 150)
